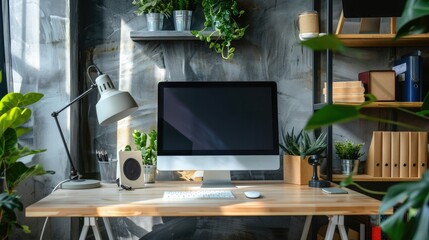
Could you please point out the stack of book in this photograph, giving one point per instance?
(397, 154)
(346, 92)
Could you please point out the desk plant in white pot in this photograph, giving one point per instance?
(13, 114)
(155, 11)
(298, 148)
(147, 144)
(349, 154)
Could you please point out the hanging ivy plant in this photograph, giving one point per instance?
(222, 15)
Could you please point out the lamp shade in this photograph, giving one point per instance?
(113, 104)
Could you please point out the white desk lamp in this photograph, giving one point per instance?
(112, 106)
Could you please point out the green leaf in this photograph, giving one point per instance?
(325, 42)
(347, 181)
(8, 119)
(395, 225)
(331, 114)
(422, 230)
(30, 98)
(19, 172)
(414, 19)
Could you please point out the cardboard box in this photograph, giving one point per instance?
(380, 83)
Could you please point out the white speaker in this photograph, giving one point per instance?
(131, 169)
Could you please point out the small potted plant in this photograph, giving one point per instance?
(349, 153)
(182, 14)
(298, 148)
(222, 15)
(154, 10)
(147, 144)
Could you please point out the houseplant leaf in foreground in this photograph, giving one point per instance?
(325, 42)
(331, 114)
(414, 19)
(411, 219)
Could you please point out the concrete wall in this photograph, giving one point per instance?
(52, 43)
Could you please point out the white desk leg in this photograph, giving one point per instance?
(89, 222)
(341, 228)
(333, 222)
(84, 228)
(108, 228)
(306, 228)
(94, 226)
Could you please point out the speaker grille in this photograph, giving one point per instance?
(132, 169)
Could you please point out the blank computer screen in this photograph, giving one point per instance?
(216, 118)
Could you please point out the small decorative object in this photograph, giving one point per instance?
(147, 144)
(221, 16)
(155, 11)
(298, 148)
(182, 14)
(315, 182)
(349, 153)
(308, 25)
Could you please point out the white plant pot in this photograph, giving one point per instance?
(149, 173)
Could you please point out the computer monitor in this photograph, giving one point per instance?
(217, 127)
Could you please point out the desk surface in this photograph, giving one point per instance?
(278, 199)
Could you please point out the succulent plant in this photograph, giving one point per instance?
(302, 144)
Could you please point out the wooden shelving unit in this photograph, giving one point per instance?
(356, 41)
(368, 178)
(383, 40)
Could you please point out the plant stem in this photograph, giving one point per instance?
(367, 190)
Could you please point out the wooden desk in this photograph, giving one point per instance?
(278, 199)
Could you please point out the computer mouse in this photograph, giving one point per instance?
(252, 194)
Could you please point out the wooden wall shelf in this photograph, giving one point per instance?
(390, 104)
(368, 178)
(383, 40)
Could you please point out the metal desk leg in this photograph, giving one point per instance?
(108, 228)
(335, 221)
(306, 227)
(90, 222)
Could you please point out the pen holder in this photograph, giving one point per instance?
(108, 171)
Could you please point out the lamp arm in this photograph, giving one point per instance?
(73, 172)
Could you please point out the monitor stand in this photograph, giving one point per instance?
(217, 179)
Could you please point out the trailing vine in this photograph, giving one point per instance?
(221, 15)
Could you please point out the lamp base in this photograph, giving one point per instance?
(81, 184)
(318, 183)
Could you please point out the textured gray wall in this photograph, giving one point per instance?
(44, 50)
(270, 51)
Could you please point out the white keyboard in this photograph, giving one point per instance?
(200, 194)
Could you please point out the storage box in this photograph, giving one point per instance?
(380, 83)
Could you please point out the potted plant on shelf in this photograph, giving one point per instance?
(182, 14)
(13, 114)
(349, 154)
(147, 144)
(298, 148)
(154, 10)
(221, 16)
